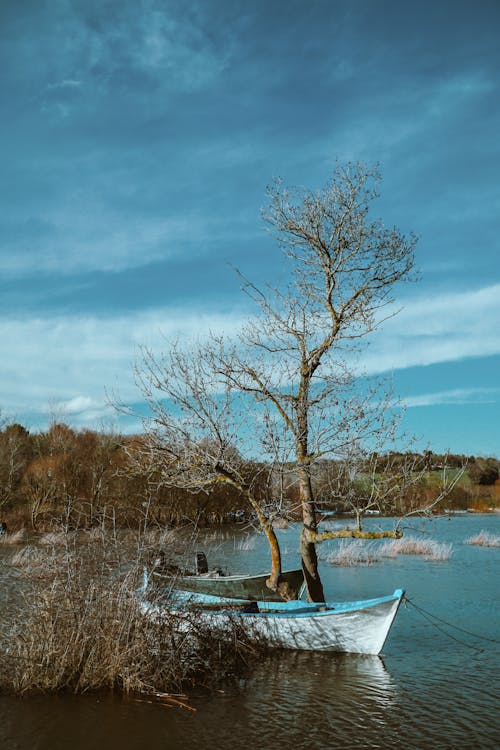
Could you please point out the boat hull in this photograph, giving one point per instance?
(358, 627)
(352, 627)
(251, 588)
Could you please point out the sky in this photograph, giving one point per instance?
(138, 139)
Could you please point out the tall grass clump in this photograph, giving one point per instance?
(16, 537)
(280, 523)
(429, 548)
(55, 538)
(484, 539)
(28, 557)
(246, 544)
(77, 626)
(350, 553)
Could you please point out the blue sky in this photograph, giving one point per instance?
(137, 142)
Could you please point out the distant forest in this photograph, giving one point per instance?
(83, 478)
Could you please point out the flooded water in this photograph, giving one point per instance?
(428, 690)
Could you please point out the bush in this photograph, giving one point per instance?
(78, 626)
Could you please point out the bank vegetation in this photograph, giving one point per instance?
(63, 478)
(75, 624)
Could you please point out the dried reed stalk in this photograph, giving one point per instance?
(78, 626)
(484, 539)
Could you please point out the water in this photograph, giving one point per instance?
(426, 691)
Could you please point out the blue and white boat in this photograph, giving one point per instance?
(358, 627)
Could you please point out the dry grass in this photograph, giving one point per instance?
(17, 537)
(358, 552)
(246, 544)
(78, 626)
(429, 548)
(484, 539)
(352, 553)
(56, 539)
(215, 536)
(28, 557)
(280, 523)
(159, 538)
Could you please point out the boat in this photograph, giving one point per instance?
(240, 586)
(359, 627)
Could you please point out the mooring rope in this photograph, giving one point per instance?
(431, 618)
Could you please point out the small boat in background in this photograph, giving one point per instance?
(244, 586)
(241, 586)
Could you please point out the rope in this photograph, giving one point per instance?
(431, 617)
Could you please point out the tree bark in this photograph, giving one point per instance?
(274, 581)
(314, 587)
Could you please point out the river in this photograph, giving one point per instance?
(431, 688)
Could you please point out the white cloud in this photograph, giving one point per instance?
(76, 404)
(446, 328)
(65, 365)
(454, 396)
(69, 362)
(66, 242)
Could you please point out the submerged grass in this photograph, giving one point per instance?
(484, 539)
(246, 544)
(429, 548)
(77, 626)
(353, 553)
(357, 552)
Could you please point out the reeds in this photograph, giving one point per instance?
(28, 557)
(17, 537)
(55, 538)
(353, 553)
(357, 552)
(78, 626)
(280, 523)
(429, 548)
(484, 539)
(246, 544)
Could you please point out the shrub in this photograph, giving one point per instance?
(352, 553)
(78, 626)
(17, 537)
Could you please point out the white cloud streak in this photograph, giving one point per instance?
(65, 365)
(70, 361)
(446, 328)
(454, 396)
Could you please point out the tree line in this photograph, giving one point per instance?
(68, 477)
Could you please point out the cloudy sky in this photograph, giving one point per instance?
(137, 142)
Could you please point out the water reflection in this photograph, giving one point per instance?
(305, 700)
(309, 697)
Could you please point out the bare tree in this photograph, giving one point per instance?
(16, 450)
(287, 386)
(296, 354)
(392, 483)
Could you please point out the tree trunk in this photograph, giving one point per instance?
(312, 579)
(274, 581)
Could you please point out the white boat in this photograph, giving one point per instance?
(358, 627)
